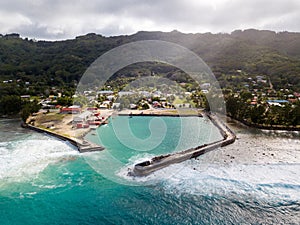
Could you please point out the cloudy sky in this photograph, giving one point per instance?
(63, 19)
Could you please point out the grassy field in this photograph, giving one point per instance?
(179, 101)
(183, 101)
(50, 117)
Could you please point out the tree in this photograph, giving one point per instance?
(25, 113)
(10, 104)
(64, 101)
(29, 108)
(257, 114)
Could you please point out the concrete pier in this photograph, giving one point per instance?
(159, 162)
(80, 144)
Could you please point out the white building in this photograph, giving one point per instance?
(82, 117)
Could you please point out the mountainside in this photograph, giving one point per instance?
(61, 63)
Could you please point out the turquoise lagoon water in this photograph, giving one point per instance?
(46, 181)
(132, 140)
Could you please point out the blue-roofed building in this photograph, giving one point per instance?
(277, 102)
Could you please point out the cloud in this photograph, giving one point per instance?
(54, 19)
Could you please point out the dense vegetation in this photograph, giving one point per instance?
(40, 68)
(262, 114)
(61, 63)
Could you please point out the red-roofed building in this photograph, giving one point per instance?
(92, 109)
(297, 94)
(70, 110)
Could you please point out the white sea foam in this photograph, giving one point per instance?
(124, 170)
(269, 182)
(24, 159)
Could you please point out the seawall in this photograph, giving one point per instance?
(159, 162)
(161, 114)
(81, 144)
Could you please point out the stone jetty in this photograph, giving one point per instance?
(159, 162)
(81, 144)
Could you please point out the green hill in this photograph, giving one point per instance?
(62, 63)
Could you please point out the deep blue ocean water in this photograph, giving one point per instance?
(46, 181)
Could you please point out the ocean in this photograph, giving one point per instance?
(46, 181)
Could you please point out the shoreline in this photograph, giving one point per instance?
(61, 126)
(80, 143)
(78, 136)
(191, 113)
(265, 127)
(161, 115)
(256, 147)
(162, 112)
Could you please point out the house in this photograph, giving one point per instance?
(105, 92)
(74, 109)
(205, 86)
(157, 94)
(277, 102)
(83, 117)
(87, 92)
(25, 96)
(110, 97)
(184, 105)
(292, 100)
(52, 97)
(81, 125)
(116, 105)
(107, 103)
(92, 109)
(297, 94)
(146, 94)
(122, 93)
(156, 104)
(133, 106)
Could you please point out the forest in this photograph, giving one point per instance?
(39, 68)
(62, 63)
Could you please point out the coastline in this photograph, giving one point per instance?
(162, 112)
(256, 147)
(81, 144)
(266, 127)
(64, 131)
(61, 126)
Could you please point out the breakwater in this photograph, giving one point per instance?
(159, 162)
(81, 144)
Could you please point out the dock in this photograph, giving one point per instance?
(147, 167)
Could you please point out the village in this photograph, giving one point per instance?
(91, 108)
